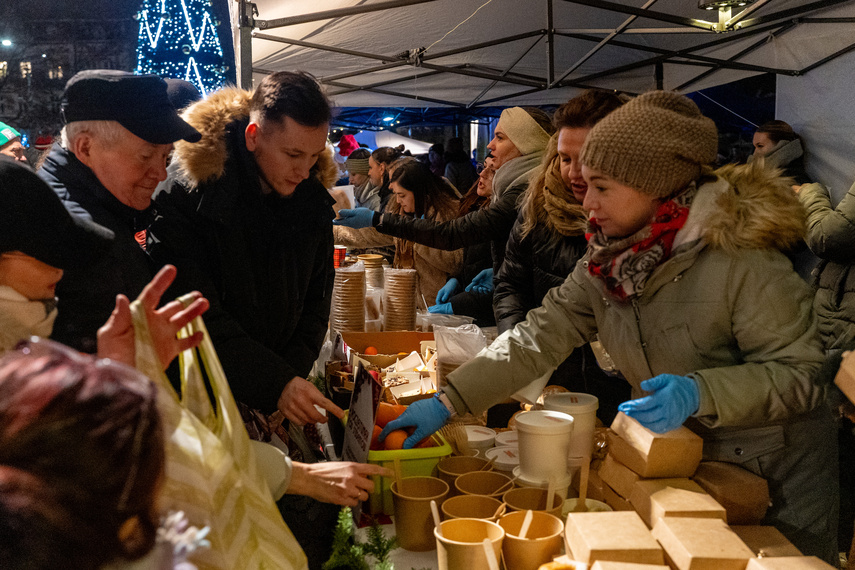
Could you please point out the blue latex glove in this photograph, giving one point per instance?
(357, 218)
(441, 309)
(673, 400)
(451, 287)
(426, 415)
(483, 283)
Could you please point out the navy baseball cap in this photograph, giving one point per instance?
(137, 102)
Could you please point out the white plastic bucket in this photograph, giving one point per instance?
(480, 438)
(583, 408)
(544, 444)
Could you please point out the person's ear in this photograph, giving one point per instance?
(251, 135)
(82, 148)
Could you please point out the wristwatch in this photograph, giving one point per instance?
(446, 401)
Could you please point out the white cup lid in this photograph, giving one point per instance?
(544, 421)
(504, 457)
(570, 402)
(480, 434)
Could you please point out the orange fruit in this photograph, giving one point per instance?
(387, 412)
(369, 351)
(426, 442)
(395, 439)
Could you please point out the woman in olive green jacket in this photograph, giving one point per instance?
(687, 288)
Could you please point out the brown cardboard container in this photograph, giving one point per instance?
(389, 345)
(701, 544)
(604, 565)
(618, 476)
(613, 536)
(743, 494)
(676, 453)
(789, 563)
(595, 484)
(656, 498)
(767, 539)
(845, 379)
(615, 501)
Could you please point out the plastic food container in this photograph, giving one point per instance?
(510, 437)
(480, 438)
(414, 463)
(583, 408)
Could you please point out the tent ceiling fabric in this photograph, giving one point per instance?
(520, 70)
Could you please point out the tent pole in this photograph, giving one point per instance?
(550, 47)
(644, 13)
(659, 75)
(248, 11)
(339, 13)
(504, 72)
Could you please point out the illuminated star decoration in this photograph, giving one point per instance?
(178, 38)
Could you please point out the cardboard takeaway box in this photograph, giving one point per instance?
(390, 345)
(618, 476)
(603, 565)
(657, 498)
(743, 494)
(701, 544)
(789, 563)
(615, 501)
(676, 453)
(613, 536)
(765, 541)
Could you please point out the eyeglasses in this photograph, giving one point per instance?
(129, 378)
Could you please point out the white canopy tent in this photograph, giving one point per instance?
(467, 53)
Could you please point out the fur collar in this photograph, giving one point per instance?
(206, 160)
(755, 209)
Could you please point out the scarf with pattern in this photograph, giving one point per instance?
(625, 264)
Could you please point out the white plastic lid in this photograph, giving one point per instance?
(525, 482)
(570, 402)
(480, 435)
(510, 437)
(544, 422)
(504, 457)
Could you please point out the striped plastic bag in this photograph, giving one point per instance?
(211, 470)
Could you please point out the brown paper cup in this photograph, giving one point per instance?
(449, 468)
(413, 519)
(461, 545)
(490, 483)
(470, 507)
(532, 499)
(542, 542)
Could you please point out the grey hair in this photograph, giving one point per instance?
(109, 132)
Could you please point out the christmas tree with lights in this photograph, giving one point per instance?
(178, 38)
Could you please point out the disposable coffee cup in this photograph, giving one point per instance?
(449, 468)
(461, 544)
(470, 507)
(489, 483)
(583, 409)
(413, 517)
(544, 443)
(532, 499)
(542, 541)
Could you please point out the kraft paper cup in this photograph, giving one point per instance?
(449, 468)
(461, 545)
(470, 507)
(542, 542)
(413, 518)
(532, 499)
(583, 408)
(562, 484)
(489, 483)
(544, 443)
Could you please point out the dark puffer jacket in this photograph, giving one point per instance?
(264, 261)
(533, 265)
(491, 224)
(87, 295)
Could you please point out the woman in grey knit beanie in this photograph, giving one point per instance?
(686, 286)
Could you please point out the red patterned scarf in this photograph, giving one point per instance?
(624, 264)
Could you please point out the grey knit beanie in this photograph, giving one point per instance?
(656, 143)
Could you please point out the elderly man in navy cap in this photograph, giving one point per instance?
(119, 130)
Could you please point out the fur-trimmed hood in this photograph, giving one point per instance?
(206, 160)
(755, 209)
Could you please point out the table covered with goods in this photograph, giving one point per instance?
(552, 490)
